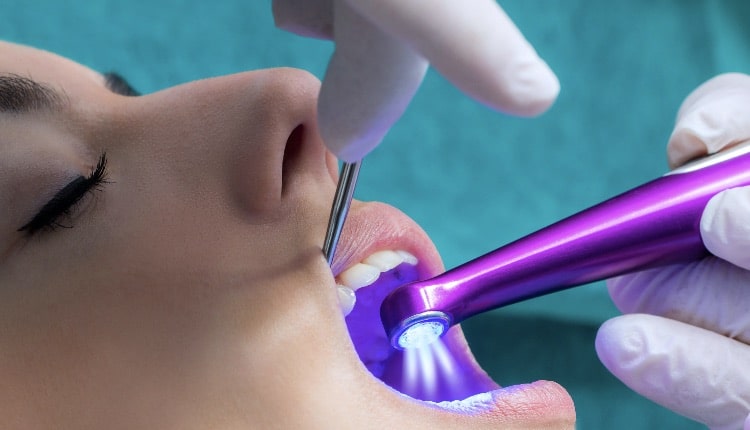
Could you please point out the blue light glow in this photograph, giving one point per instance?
(430, 372)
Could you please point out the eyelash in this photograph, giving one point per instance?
(66, 199)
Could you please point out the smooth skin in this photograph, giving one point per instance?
(190, 291)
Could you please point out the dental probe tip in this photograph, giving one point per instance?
(340, 209)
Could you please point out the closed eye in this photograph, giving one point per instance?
(62, 203)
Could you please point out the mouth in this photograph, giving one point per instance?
(380, 250)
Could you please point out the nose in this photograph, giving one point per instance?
(253, 135)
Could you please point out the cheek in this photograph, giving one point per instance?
(166, 233)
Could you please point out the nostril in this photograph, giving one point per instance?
(292, 154)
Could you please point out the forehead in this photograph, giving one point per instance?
(46, 67)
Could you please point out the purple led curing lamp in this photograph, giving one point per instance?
(655, 224)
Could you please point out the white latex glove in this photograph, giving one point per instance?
(684, 341)
(382, 52)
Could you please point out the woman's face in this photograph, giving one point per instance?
(160, 265)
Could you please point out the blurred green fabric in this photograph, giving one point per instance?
(473, 178)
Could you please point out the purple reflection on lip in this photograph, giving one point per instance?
(445, 373)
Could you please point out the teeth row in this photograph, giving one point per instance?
(367, 272)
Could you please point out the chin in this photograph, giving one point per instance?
(382, 249)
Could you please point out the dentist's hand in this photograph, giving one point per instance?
(685, 341)
(382, 52)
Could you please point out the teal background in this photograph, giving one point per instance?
(473, 178)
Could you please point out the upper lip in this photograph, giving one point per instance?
(374, 226)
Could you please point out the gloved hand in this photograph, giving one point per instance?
(685, 339)
(382, 52)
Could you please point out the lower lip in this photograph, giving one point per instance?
(448, 375)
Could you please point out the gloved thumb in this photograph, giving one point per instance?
(692, 371)
(711, 118)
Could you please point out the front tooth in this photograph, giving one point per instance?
(384, 260)
(407, 257)
(360, 275)
(347, 299)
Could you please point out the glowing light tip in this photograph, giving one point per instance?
(421, 334)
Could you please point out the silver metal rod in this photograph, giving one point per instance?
(341, 202)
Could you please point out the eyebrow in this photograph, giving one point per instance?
(19, 94)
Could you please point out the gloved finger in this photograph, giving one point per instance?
(475, 45)
(368, 64)
(712, 117)
(725, 229)
(695, 372)
(309, 18)
(711, 293)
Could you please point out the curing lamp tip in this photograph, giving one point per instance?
(652, 225)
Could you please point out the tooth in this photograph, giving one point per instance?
(347, 299)
(358, 276)
(368, 271)
(408, 257)
(384, 260)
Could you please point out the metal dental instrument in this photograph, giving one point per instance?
(341, 202)
(370, 80)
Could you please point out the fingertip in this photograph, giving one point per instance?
(478, 48)
(620, 344)
(692, 371)
(684, 145)
(713, 117)
(521, 84)
(533, 90)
